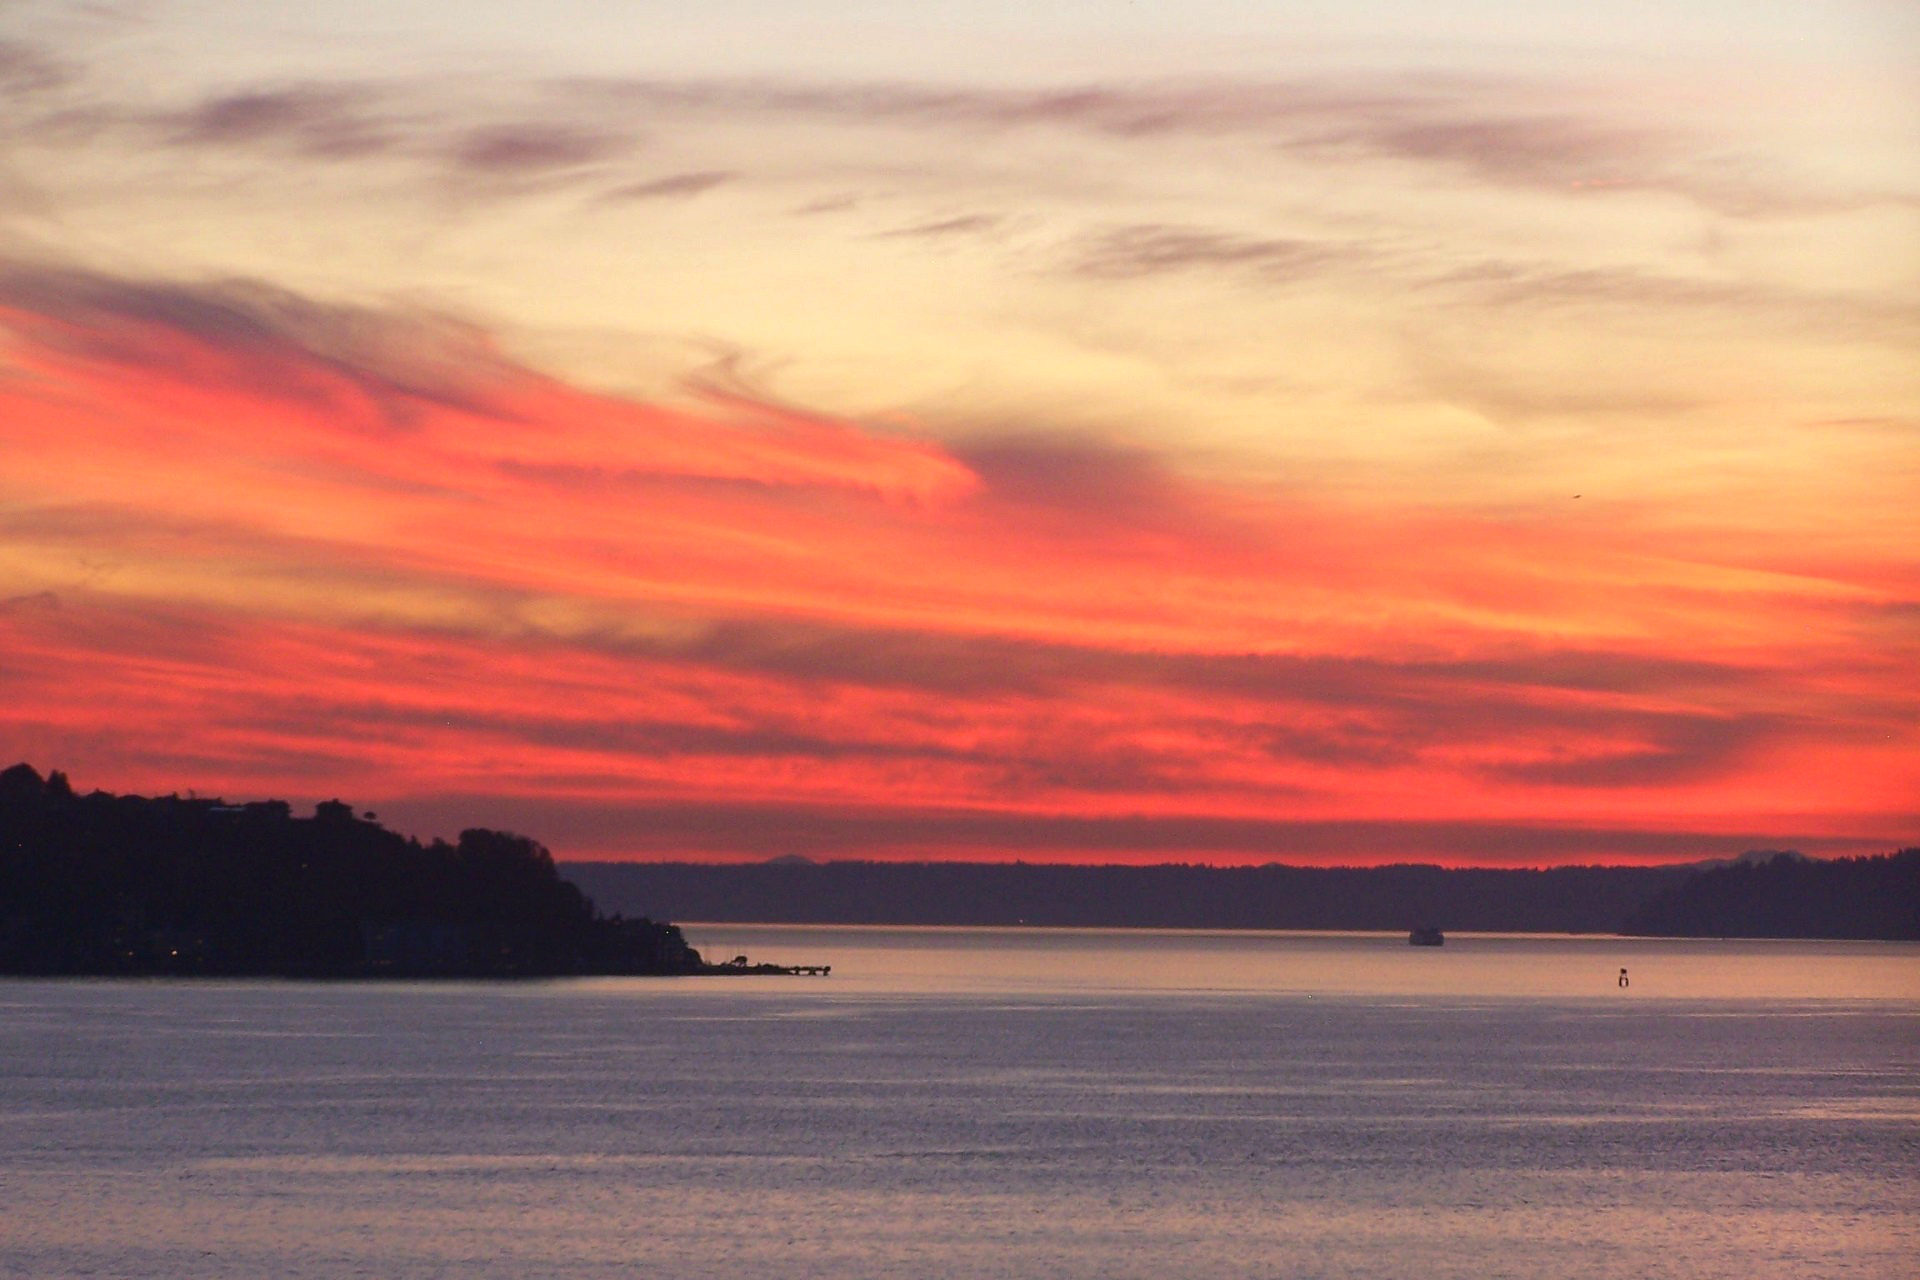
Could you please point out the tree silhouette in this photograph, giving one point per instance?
(105, 884)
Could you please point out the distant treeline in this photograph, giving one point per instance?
(1855, 898)
(1788, 897)
(1567, 899)
(109, 884)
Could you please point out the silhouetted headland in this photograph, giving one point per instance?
(113, 884)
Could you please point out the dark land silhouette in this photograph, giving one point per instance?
(124, 884)
(1790, 897)
(112, 884)
(1765, 895)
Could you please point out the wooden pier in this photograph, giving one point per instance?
(740, 964)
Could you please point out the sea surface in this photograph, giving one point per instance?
(972, 1103)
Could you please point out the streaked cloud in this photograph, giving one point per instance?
(1401, 453)
(514, 150)
(733, 607)
(26, 70)
(673, 186)
(1126, 252)
(961, 224)
(318, 121)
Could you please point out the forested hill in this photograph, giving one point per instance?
(111, 884)
(1789, 897)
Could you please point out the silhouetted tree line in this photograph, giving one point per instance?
(1867, 900)
(1167, 896)
(1790, 897)
(110, 884)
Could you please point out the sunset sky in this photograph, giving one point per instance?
(1217, 431)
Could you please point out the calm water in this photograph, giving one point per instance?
(989, 1103)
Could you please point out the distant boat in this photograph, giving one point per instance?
(1426, 938)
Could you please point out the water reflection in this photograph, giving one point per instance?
(928, 960)
(1083, 1106)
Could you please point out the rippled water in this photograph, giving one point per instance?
(988, 1103)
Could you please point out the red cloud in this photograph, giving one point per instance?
(270, 547)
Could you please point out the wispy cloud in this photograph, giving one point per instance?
(673, 186)
(530, 148)
(353, 372)
(1531, 150)
(35, 600)
(318, 121)
(265, 340)
(1146, 250)
(26, 70)
(421, 559)
(1506, 129)
(959, 225)
(1122, 109)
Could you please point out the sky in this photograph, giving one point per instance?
(1233, 431)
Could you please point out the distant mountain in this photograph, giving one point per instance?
(108, 884)
(1768, 855)
(1751, 855)
(1788, 896)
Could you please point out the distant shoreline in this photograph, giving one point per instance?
(1394, 937)
(107, 885)
(1769, 895)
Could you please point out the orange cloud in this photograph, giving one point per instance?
(266, 546)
